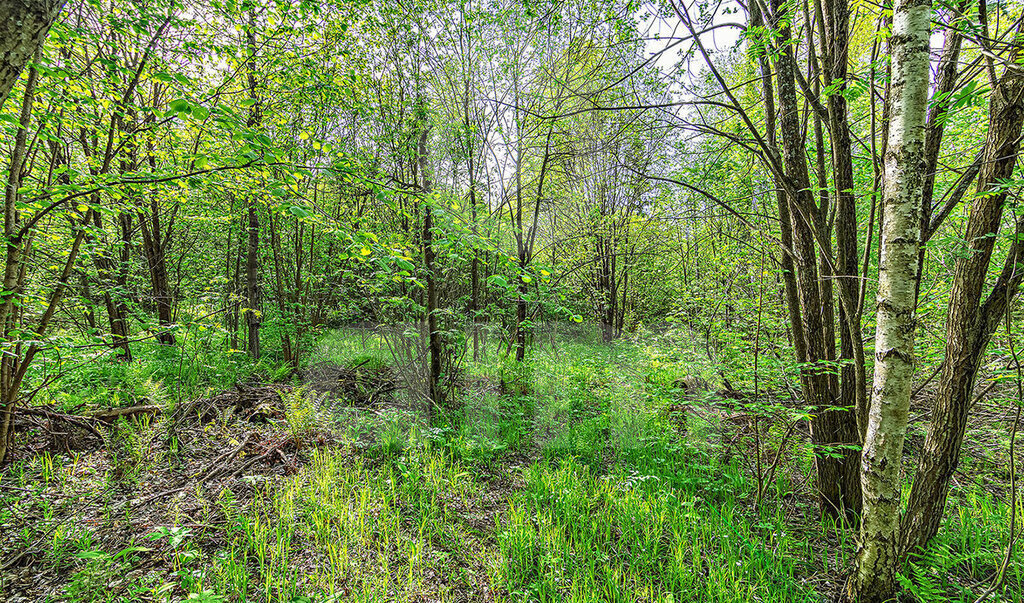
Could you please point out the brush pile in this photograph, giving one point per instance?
(365, 382)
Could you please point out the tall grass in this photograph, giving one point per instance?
(584, 474)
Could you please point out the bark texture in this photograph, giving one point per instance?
(853, 379)
(833, 432)
(971, 320)
(434, 342)
(23, 27)
(878, 558)
(253, 316)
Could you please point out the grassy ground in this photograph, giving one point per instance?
(594, 473)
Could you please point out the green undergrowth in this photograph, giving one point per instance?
(572, 535)
(365, 531)
(158, 374)
(585, 474)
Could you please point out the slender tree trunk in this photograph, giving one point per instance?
(474, 270)
(299, 317)
(853, 379)
(155, 244)
(433, 335)
(791, 296)
(108, 272)
(14, 275)
(156, 263)
(90, 312)
(253, 318)
(282, 301)
(230, 301)
(520, 327)
(252, 288)
(878, 558)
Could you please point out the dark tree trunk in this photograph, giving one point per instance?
(433, 335)
(23, 28)
(282, 301)
(832, 431)
(232, 266)
(791, 297)
(853, 379)
(11, 364)
(109, 272)
(154, 245)
(252, 286)
(971, 321)
(156, 241)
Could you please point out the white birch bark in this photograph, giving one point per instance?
(877, 556)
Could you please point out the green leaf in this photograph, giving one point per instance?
(178, 105)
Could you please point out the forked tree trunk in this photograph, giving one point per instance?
(971, 321)
(878, 558)
(155, 248)
(833, 431)
(156, 242)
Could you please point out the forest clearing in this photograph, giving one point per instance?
(533, 300)
(608, 478)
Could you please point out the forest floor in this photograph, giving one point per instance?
(600, 473)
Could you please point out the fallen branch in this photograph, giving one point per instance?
(59, 416)
(111, 415)
(217, 465)
(275, 448)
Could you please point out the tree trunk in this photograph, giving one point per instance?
(23, 28)
(832, 431)
(14, 275)
(853, 380)
(230, 297)
(970, 322)
(786, 262)
(878, 559)
(109, 272)
(282, 301)
(155, 244)
(474, 270)
(433, 335)
(252, 288)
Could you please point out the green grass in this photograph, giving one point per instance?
(344, 528)
(571, 535)
(159, 374)
(586, 476)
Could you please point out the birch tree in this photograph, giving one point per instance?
(878, 556)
